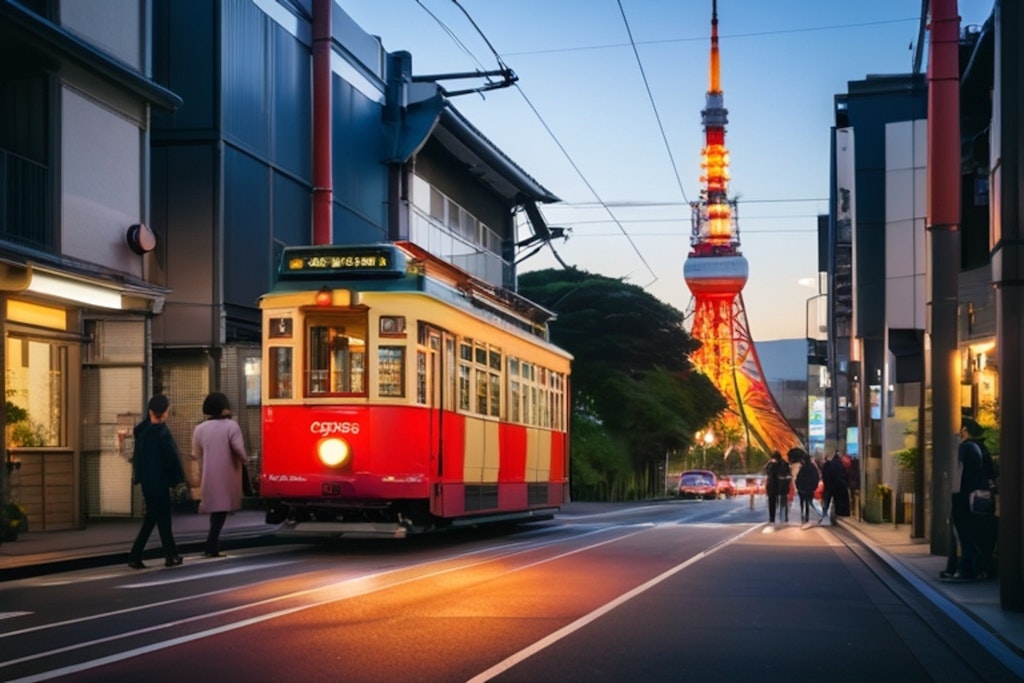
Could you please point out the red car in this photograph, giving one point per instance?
(698, 484)
(726, 489)
(746, 484)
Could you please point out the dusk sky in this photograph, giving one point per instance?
(583, 119)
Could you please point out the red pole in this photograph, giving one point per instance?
(944, 116)
(943, 225)
(323, 193)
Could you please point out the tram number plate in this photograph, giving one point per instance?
(331, 489)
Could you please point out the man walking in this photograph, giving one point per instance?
(156, 466)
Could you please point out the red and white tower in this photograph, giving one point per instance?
(716, 272)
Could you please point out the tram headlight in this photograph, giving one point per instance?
(334, 452)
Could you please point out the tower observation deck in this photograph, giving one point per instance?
(716, 273)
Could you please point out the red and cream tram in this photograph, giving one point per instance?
(401, 395)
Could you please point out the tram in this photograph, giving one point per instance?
(401, 395)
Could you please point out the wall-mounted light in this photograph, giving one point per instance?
(82, 293)
(140, 239)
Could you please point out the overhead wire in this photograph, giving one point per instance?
(654, 106)
(451, 34)
(752, 34)
(564, 152)
(633, 44)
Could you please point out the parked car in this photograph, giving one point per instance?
(725, 487)
(698, 484)
(746, 484)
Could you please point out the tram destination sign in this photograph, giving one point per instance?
(342, 260)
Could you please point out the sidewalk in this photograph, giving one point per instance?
(107, 541)
(975, 606)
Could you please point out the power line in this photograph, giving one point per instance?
(753, 34)
(586, 182)
(654, 106)
(550, 132)
(686, 235)
(598, 221)
(451, 34)
(639, 203)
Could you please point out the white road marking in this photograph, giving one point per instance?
(553, 638)
(163, 579)
(11, 615)
(350, 588)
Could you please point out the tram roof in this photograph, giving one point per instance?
(403, 266)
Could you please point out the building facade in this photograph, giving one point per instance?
(233, 179)
(878, 352)
(76, 285)
(155, 159)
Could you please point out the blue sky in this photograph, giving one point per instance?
(582, 122)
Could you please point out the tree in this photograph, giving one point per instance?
(632, 378)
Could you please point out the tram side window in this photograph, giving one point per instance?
(514, 390)
(465, 358)
(450, 384)
(558, 401)
(481, 392)
(544, 406)
(280, 372)
(494, 375)
(421, 377)
(391, 371)
(337, 357)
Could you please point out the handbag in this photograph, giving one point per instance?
(181, 495)
(982, 502)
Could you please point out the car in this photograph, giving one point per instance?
(747, 484)
(725, 487)
(698, 484)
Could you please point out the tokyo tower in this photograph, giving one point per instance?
(716, 272)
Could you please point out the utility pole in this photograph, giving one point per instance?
(942, 281)
(1007, 275)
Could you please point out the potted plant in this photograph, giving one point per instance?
(884, 493)
(13, 520)
(906, 458)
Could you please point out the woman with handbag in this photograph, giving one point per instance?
(218, 445)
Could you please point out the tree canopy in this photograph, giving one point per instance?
(635, 392)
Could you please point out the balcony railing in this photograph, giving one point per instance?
(24, 203)
(446, 245)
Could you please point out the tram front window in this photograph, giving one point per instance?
(337, 356)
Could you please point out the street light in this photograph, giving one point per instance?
(708, 438)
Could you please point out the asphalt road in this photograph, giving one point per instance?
(670, 591)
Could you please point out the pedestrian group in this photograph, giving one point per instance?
(799, 473)
(218, 447)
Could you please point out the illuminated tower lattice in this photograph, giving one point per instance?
(716, 272)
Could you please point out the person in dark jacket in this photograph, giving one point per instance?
(785, 484)
(772, 483)
(836, 497)
(976, 473)
(807, 479)
(156, 466)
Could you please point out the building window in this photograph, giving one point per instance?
(36, 389)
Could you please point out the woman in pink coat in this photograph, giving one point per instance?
(217, 443)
